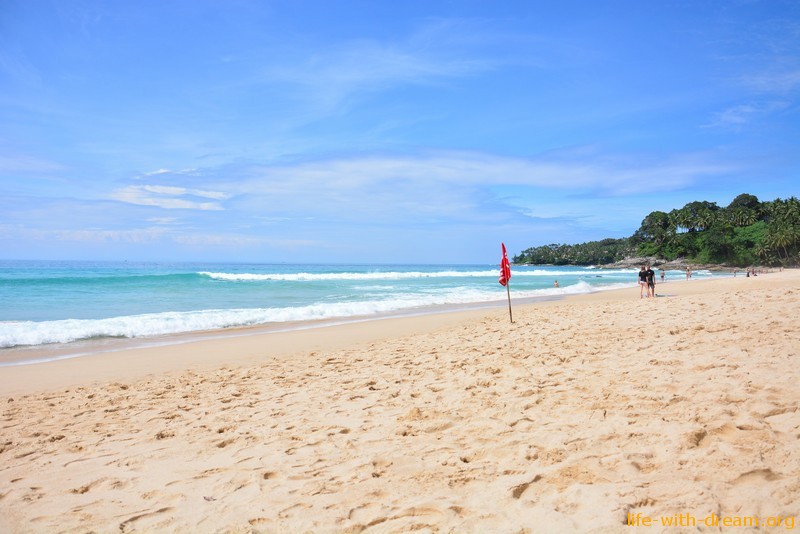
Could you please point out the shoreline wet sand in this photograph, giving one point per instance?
(583, 411)
(35, 354)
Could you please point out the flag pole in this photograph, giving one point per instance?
(508, 294)
(505, 277)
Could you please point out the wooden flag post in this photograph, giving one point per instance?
(505, 277)
(508, 294)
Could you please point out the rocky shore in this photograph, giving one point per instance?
(679, 264)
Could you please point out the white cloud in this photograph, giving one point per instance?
(24, 163)
(163, 220)
(456, 188)
(212, 240)
(458, 170)
(181, 191)
(167, 197)
(88, 235)
(157, 172)
(150, 235)
(780, 82)
(330, 76)
(736, 117)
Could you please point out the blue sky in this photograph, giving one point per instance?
(415, 131)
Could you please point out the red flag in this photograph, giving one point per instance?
(505, 268)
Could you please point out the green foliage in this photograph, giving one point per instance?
(744, 233)
(685, 245)
(591, 253)
(746, 243)
(745, 201)
(716, 245)
(747, 232)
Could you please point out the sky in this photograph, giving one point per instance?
(382, 132)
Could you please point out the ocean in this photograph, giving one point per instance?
(62, 302)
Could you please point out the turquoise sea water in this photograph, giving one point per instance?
(46, 302)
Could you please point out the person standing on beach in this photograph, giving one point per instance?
(642, 282)
(663, 275)
(651, 282)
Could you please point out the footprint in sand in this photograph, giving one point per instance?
(786, 420)
(132, 524)
(756, 476)
(518, 490)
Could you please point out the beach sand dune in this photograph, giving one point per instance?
(581, 412)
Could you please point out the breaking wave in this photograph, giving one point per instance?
(20, 333)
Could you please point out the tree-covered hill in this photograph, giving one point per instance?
(746, 232)
(591, 253)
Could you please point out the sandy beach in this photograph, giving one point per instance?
(581, 415)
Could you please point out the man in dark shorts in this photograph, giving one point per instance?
(643, 282)
(651, 282)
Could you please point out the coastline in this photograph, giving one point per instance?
(121, 333)
(50, 306)
(36, 354)
(130, 358)
(157, 354)
(582, 411)
(208, 350)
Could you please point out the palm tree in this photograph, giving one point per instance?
(774, 210)
(780, 237)
(792, 210)
(674, 221)
(742, 217)
(685, 219)
(762, 251)
(706, 219)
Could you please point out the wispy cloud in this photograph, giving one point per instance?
(570, 170)
(330, 77)
(26, 164)
(766, 75)
(163, 220)
(88, 235)
(211, 240)
(159, 172)
(180, 191)
(780, 82)
(169, 197)
(151, 235)
(737, 117)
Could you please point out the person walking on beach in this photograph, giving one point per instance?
(651, 282)
(663, 279)
(642, 282)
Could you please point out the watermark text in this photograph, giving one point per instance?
(711, 520)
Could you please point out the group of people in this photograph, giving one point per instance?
(647, 281)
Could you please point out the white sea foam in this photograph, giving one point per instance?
(397, 275)
(18, 333)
